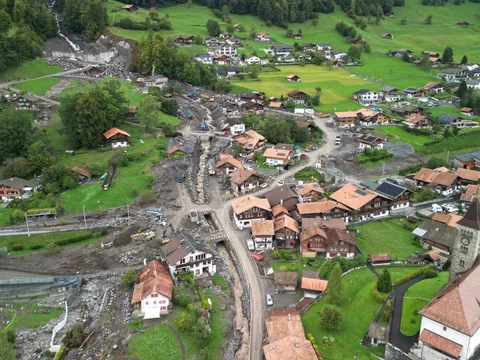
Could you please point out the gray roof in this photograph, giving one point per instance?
(452, 71)
(438, 232)
(181, 246)
(467, 157)
(311, 274)
(19, 183)
(446, 119)
(411, 90)
(472, 218)
(281, 192)
(362, 91)
(378, 331)
(387, 88)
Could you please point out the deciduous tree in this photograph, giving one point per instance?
(331, 318)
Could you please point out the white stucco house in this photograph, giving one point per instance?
(153, 294)
(451, 321)
(262, 234)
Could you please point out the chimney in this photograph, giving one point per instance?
(281, 201)
(144, 261)
(297, 343)
(288, 317)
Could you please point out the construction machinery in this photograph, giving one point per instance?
(111, 172)
(147, 235)
(153, 211)
(192, 94)
(203, 126)
(180, 178)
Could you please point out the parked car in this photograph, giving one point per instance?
(436, 208)
(264, 185)
(281, 182)
(250, 245)
(449, 208)
(269, 300)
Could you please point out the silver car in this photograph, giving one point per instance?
(269, 300)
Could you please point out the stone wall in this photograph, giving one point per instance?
(393, 353)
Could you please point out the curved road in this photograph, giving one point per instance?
(401, 341)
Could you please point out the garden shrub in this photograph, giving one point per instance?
(36, 247)
(430, 273)
(413, 274)
(17, 248)
(377, 295)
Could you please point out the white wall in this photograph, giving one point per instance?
(196, 266)
(263, 243)
(119, 144)
(151, 302)
(469, 344)
(273, 162)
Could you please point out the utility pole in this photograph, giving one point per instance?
(383, 168)
(84, 217)
(128, 214)
(26, 220)
(448, 154)
(153, 70)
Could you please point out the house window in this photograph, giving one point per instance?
(462, 262)
(163, 308)
(162, 302)
(444, 328)
(464, 248)
(154, 303)
(146, 303)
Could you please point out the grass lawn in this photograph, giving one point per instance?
(42, 239)
(366, 161)
(157, 342)
(262, 166)
(127, 182)
(288, 266)
(5, 216)
(464, 143)
(436, 111)
(33, 316)
(337, 85)
(30, 69)
(385, 237)
(397, 134)
(397, 272)
(356, 296)
(416, 297)
(38, 87)
(307, 173)
(220, 281)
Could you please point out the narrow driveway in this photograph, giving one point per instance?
(401, 341)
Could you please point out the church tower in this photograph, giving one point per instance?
(467, 240)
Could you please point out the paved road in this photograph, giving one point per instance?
(401, 341)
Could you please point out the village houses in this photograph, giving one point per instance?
(17, 188)
(242, 180)
(262, 234)
(249, 208)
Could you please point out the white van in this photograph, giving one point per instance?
(437, 208)
(250, 245)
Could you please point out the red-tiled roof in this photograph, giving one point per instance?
(113, 131)
(153, 278)
(440, 343)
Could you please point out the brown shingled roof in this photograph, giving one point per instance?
(448, 219)
(311, 232)
(306, 188)
(352, 196)
(284, 322)
(457, 305)
(440, 343)
(380, 257)
(247, 202)
(113, 131)
(262, 228)
(314, 284)
(471, 192)
(289, 348)
(81, 170)
(230, 160)
(153, 278)
(239, 176)
(319, 207)
(333, 223)
(285, 221)
(467, 174)
(278, 209)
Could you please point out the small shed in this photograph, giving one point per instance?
(387, 36)
(313, 287)
(380, 259)
(130, 8)
(286, 281)
(82, 173)
(293, 78)
(378, 333)
(132, 111)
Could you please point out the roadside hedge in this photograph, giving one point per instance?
(380, 298)
(413, 274)
(74, 239)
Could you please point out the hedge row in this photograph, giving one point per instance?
(72, 240)
(413, 274)
(380, 298)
